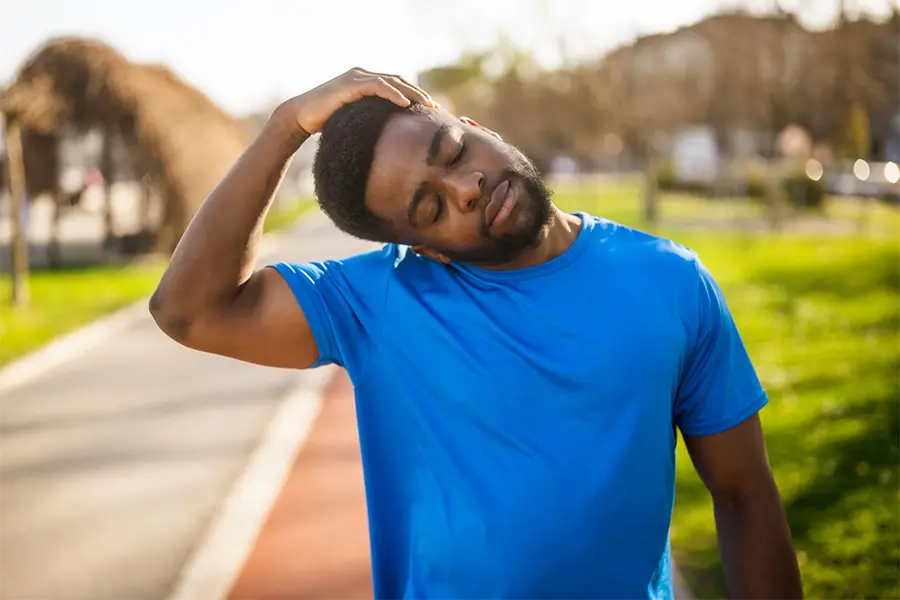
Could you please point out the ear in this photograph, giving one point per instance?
(430, 253)
(471, 122)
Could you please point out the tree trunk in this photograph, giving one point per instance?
(106, 169)
(651, 191)
(20, 293)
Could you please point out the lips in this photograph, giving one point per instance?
(503, 199)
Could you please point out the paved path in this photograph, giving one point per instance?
(113, 465)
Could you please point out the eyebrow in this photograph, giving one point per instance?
(430, 159)
(435, 146)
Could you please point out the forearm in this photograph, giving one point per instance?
(758, 557)
(218, 251)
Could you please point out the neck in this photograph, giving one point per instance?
(556, 237)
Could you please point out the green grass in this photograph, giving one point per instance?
(65, 299)
(282, 216)
(820, 317)
(62, 300)
(620, 202)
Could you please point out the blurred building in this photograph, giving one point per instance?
(748, 77)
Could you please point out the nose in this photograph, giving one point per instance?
(465, 189)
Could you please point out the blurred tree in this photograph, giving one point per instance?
(542, 111)
(857, 141)
(732, 71)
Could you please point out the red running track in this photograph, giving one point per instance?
(315, 542)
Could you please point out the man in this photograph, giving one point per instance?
(519, 371)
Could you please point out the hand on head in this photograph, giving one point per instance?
(310, 110)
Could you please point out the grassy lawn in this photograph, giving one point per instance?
(820, 317)
(284, 215)
(63, 300)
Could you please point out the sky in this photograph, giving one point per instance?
(250, 54)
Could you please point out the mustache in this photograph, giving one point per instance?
(505, 174)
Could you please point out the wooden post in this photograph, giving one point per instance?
(863, 222)
(773, 191)
(146, 203)
(20, 293)
(651, 192)
(106, 169)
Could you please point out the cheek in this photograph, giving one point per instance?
(458, 232)
(494, 158)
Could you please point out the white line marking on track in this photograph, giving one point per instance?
(222, 553)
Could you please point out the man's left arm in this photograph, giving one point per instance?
(716, 408)
(754, 538)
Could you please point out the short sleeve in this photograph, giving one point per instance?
(344, 302)
(719, 387)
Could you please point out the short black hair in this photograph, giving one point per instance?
(343, 161)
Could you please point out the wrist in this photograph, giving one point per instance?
(286, 126)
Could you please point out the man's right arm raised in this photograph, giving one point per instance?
(210, 298)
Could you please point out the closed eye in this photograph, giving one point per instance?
(439, 207)
(460, 154)
(439, 200)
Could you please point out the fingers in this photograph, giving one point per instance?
(411, 91)
(377, 86)
(471, 122)
(388, 84)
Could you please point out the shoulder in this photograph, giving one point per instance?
(363, 265)
(645, 254)
(370, 274)
(388, 258)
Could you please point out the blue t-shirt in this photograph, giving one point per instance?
(518, 427)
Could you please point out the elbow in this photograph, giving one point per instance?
(169, 321)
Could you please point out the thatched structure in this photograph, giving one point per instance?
(178, 137)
